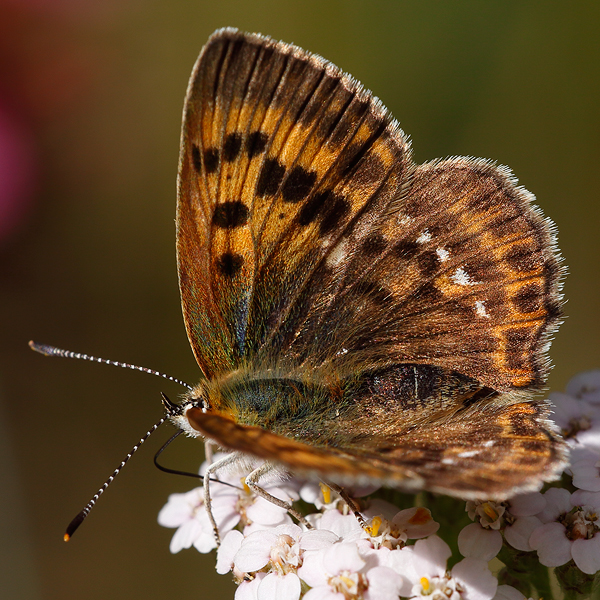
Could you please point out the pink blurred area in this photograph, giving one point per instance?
(18, 172)
(47, 71)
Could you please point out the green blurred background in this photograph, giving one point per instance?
(91, 94)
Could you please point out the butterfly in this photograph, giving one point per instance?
(357, 318)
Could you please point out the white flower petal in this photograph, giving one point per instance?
(402, 561)
(254, 552)
(476, 542)
(476, 579)
(430, 556)
(323, 592)
(586, 554)
(591, 437)
(552, 545)
(312, 570)
(585, 385)
(586, 474)
(281, 587)
(311, 493)
(416, 521)
(315, 539)
(265, 512)
(558, 502)
(230, 544)
(373, 557)
(566, 409)
(248, 590)
(342, 557)
(384, 584)
(585, 498)
(526, 505)
(180, 508)
(380, 508)
(518, 534)
(341, 525)
(508, 592)
(254, 527)
(185, 536)
(205, 542)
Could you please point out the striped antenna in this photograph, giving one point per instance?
(171, 410)
(78, 520)
(53, 351)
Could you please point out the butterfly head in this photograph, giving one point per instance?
(196, 400)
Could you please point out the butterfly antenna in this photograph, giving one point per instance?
(78, 520)
(53, 351)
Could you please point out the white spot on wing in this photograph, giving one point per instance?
(480, 309)
(443, 254)
(461, 277)
(468, 454)
(338, 254)
(424, 237)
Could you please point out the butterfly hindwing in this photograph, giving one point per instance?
(507, 448)
(463, 274)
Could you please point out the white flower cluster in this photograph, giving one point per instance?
(338, 559)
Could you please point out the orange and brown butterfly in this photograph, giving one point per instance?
(357, 318)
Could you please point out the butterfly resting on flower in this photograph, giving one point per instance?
(357, 318)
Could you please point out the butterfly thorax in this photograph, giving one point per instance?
(266, 398)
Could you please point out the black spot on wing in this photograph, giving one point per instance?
(428, 292)
(529, 298)
(428, 263)
(358, 151)
(196, 161)
(312, 208)
(298, 184)
(232, 147)
(337, 210)
(270, 177)
(229, 215)
(211, 160)
(256, 143)
(374, 245)
(406, 249)
(518, 344)
(229, 264)
(523, 258)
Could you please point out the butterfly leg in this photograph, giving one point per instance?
(343, 494)
(211, 469)
(209, 451)
(252, 483)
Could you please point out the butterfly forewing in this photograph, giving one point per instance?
(282, 155)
